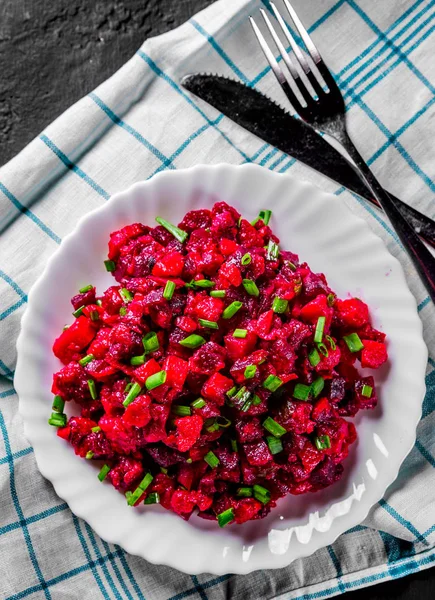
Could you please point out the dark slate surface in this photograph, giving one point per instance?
(54, 52)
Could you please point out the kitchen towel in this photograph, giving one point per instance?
(139, 123)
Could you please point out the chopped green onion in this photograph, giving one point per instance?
(150, 342)
(225, 517)
(314, 357)
(125, 295)
(223, 422)
(250, 371)
(133, 497)
(273, 427)
(103, 472)
(323, 349)
(247, 404)
(95, 315)
(203, 283)
(78, 312)
(189, 461)
(272, 251)
(163, 470)
(301, 391)
(251, 287)
(234, 447)
(240, 333)
(275, 445)
(57, 419)
(366, 391)
(330, 298)
(353, 342)
(146, 482)
(89, 455)
(132, 394)
(178, 233)
(242, 395)
(231, 309)
(246, 259)
(128, 387)
(244, 492)
(59, 404)
(96, 429)
(211, 459)
(256, 400)
(86, 359)
(169, 290)
(272, 383)
(86, 288)
(232, 392)
(211, 425)
(218, 293)
(322, 442)
(93, 389)
(317, 386)
(122, 311)
(291, 265)
(331, 342)
(265, 215)
(279, 305)
(152, 498)
(318, 334)
(99, 302)
(110, 265)
(261, 494)
(137, 360)
(199, 403)
(193, 341)
(65, 327)
(155, 380)
(181, 411)
(239, 221)
(209, 324)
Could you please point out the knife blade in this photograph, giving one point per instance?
(263, 117)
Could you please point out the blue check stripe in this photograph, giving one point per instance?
(404, 522)
(28, 213)
(73, 167)
(105, 570)
(19, 511)
(337, 566)
(220, 51)
(425, 453)
(7, 372)
(7, 393)
(205, 586)
(117, 572)
(12, 308)
(34, 519)
(15, 455)
(13, 285)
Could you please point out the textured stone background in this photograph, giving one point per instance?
(53, 52)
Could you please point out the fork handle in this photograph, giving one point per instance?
(423, 260)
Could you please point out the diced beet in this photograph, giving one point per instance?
(208, 359)
(176, 371)
(196, 219)
(188, 431)
(146, 370)
(246, 510)
(137, 413)
(374, 354)
(257, 453)
(353, 312)
(239, 347)
(74, 339)
(216, 387)
(169, 265)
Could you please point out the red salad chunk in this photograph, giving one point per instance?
(218, 374)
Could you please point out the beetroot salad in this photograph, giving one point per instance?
(216, 375)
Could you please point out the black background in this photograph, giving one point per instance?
(53, 52)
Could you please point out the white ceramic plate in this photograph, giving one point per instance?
(320, 228)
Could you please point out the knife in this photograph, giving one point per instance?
(260, 115)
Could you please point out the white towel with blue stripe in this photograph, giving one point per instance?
(140, 122)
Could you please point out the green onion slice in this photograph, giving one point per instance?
(301, 391)
(103, 472)
(86, 359)
(146, 482)
(322, 442)
(218, 293)
(211, 459)
(275, 444)
(273, 427)
(93, 389)
(89, 455)
(353, 342)
(155, 380)
(251, 287)
(231, 309)
(272, 383)
(193, 341)
(225, 517)
(203, 283)
(272, 251)
(150, 342)
(366, 391)
(250, 371)
(110, 265)
(314, 357)
(95, 315)
(246, 259)
(178, 233)
(86, 288)
(209, 324)
(169, 290)
(331, 342)
(137, 360)
(261, 494)
(323, 349)
(152, 498)
(330, 298)
(318, 334)
(199, 403)
(132, 394)
(96, 429)
(57, 419)
(240, 333)
(59, 404)
(317, 386)
(256, 400)
(78, 312)
(244, 492)
(265, 215)
(279, 305)
(234, 447)
(181, 411)
(122, 311)
(232, 392)
(125, 295)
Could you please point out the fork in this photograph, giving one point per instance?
(325, 112)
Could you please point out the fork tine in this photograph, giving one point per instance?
(286, 58)
(314, 53)
(299, 55)
(275, 67)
